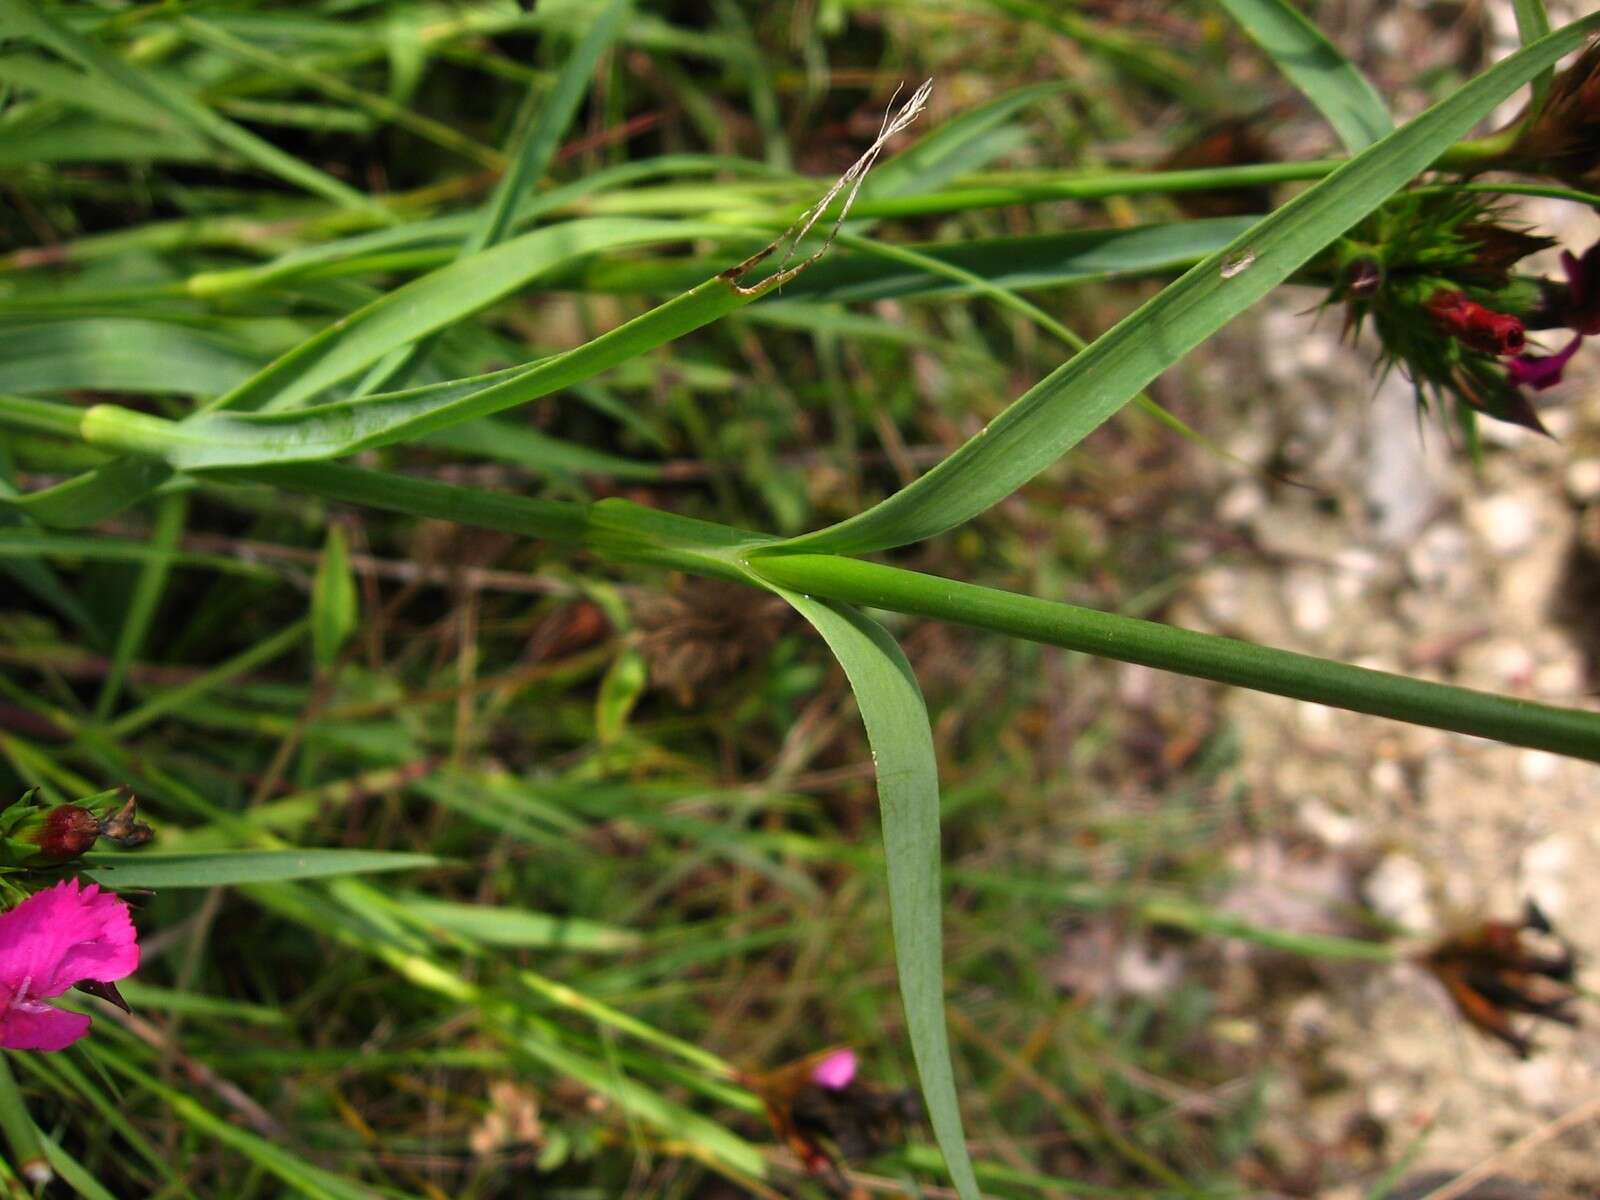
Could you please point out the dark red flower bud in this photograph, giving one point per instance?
(1483, 329)
(67, 832)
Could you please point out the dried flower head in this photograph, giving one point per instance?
(703, 632)
(1500, 968)
(1563, 139)
(824, 1110)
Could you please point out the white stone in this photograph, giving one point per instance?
(1388, 777)
(1538, 766)
(1327, 824)
(1583, 480)
(1508, 523)
(1241, 502)
(1305, 594)
(1397, 889)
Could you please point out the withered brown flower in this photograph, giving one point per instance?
(1500, 968)
(1563, 139)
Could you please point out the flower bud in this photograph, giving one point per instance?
(1482, 329)
(67, 831)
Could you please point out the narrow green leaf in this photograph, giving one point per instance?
(543, 135)
(529, 162)
(28, 544)
(21, 1134)
(620, 689)
(908, 796)
(304, 1178)
(1042, 260)
(1533, 22)
(1057, 413)
(92, 496)
(73, 1173)
(334, 610)
(120, 354)
(438, 300)
(222, 868)
(494, 926)
(211, 440)
(175, 698)
(144, 601)
(1313, 64)
(527, 447)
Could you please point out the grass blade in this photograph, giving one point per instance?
(908, 794)
(149, 91)
(1533, 22)
(1057, 413)
(212, 440)
(146, 598)
(119, 354)
(221, 868)
(92, 496)
(438, 300)
(544, 133)
(1313, 64)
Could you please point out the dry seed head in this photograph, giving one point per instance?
(852, 179)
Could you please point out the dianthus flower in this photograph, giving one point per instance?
(56, 939)
(1578, 310)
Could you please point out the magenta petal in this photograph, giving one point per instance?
(34, 1026)
(1541, 371)
(63, 934)
(835, 1071)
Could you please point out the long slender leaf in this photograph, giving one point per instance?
(438, 300)
(1019, 263)
(1533, 22)
(543, 136)
(222, 868)
(211, 440)
(119, 354)
(908, 796)
(144, 600)
(528, 164)
(1329, 80)
(1057, 413)
(92, 496)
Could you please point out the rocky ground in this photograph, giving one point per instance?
(1399, 555)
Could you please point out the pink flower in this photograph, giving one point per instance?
(62, 936)
(836, 1071)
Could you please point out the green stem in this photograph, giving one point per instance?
(41, 416)
(27, 1152)
(552, 519)
(1225, 660)
(1478, 154)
